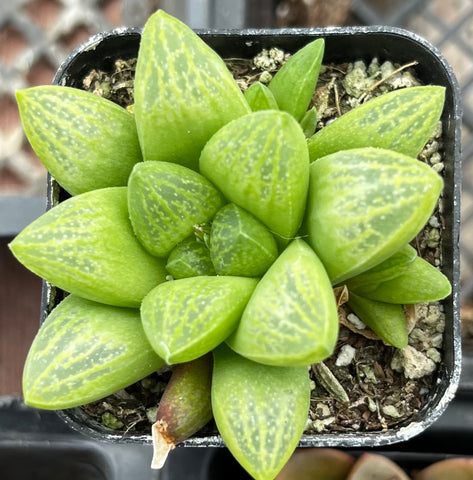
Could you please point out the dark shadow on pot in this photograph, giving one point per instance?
(53, 460)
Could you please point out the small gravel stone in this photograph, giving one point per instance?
(390, 411)
(346, 355)
(354, 320)
(416, 364)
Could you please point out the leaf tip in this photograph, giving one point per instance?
(162, 445)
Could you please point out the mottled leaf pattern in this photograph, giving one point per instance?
(85, 245)
(291, 318)
(190, 258)
(184, 319)
(402, 120)
(183, 92)
(364, 205)
(260, 162)
(85, 141)
(85, 351)
(260, 410)
(165, 201)
(240, 244)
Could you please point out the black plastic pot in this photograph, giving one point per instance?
(53, 460)
(342, 44)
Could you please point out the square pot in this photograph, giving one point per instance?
(342, 44)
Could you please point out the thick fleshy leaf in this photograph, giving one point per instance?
(165, 201)
(260, 411)
(309, 122)
(402, 120)
(387, 320)
(189, 258)
(85, 141)
(260, 97)
(294, 83)
(376, 467)
(420, 282)
(240, 244)
(183, 92)
(317, 464)
(390, 268)
(291, 318)
(86, 246)
(450, 468)
(184, 319)
(364, 205)
(260, 162)
(184, 408)
(85, 351)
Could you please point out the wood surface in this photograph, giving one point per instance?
(20, 302)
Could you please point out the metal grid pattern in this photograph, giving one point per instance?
(36, 35)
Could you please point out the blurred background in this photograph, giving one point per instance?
(36, 35)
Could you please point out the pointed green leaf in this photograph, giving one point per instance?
(165, 201)
(85, 351)
(419, 282)
(309, 122)
(85, 141)
(294, 83)
(364, 205)
(183, 92)
(184, 319)
(260, 411)
(291, 318)
(260, 162)
(402, 120)
(85, 245)
(189, 258)
(240, 244)
(260, 97)
(390, 268)
(387, 320)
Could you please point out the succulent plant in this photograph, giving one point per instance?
(286, 220)
(451, 468)
(332, 464)
(376, 467)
